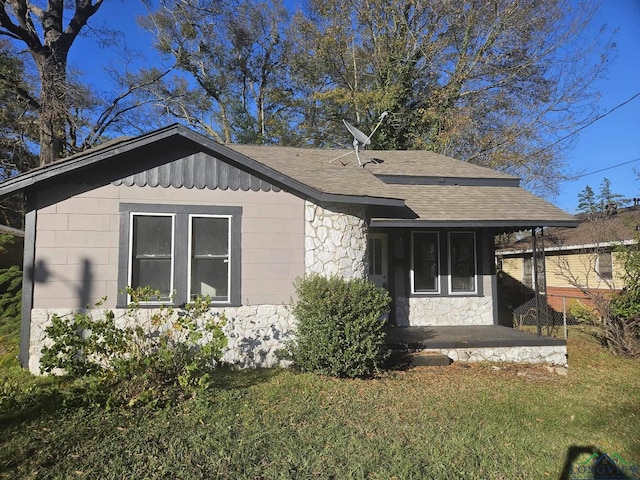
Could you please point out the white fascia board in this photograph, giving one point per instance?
(586, 246)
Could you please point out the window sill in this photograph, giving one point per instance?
(446, 295)
(176, 305)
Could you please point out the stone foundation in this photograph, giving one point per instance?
(254, 333)
(444, 311)
(553, 355)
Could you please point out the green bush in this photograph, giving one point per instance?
(10, 292)
(10, 308)
(621, 329)
(340, 327)
(581, 313)
(173, 355)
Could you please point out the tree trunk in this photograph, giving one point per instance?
(49, 46)
(54, 111)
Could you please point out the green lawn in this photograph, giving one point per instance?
(467, 422)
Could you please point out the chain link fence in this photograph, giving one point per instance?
(552, 322)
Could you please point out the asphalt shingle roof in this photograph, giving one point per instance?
(478, 203)
(621, 226)
(302, 161)
(449, 190)
(323, 170)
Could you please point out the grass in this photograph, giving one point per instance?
(463, 421)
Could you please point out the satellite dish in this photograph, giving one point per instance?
(360, 139)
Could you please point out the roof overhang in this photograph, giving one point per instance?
(513, 225)
(566, 248)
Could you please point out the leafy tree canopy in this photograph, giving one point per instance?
(69, 114)
(487, 82)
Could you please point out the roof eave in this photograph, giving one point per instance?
(471, 223)
(83, 160)
(565, 248)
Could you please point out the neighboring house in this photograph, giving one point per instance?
(12, 253)
(579, 262)
(177, 211)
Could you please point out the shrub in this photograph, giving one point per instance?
(621, 328)
(340, 327)
(620, 323)
(173, 354)
(581, 313)
(10, 307)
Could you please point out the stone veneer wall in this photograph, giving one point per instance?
(255, 333)
(444, 311)
(335, 240)
(554, 355)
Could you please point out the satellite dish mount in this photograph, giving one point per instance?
(360, 139)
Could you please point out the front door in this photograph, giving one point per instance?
(378, 259)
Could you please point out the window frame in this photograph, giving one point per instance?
(181, 249)
(450, 266)
(444, 264)
(438, 289)
(527, 271)
(132, 216)
(228, 256)
(598, 270)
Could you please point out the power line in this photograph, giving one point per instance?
(576, 177)
(599, 117)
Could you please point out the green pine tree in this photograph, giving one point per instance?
(608, 200)
(587, 201)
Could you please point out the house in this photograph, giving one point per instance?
(580, 262)
(175, 210)
(11, 253)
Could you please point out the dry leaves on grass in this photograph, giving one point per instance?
(485, 371)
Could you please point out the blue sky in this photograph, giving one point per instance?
(610, 141)
(615, 138)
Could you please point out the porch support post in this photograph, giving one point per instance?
(542, 281)
(536, 291)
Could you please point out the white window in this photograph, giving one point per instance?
(181, 251)
(152, 253)
(209, 254)
(604, 266)
(425, 262)
(459, 276)
(462, 262)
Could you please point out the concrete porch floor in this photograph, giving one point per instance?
(465, 337)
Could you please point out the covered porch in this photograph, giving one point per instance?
(476, 343)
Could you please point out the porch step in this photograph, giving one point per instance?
(428, 359)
